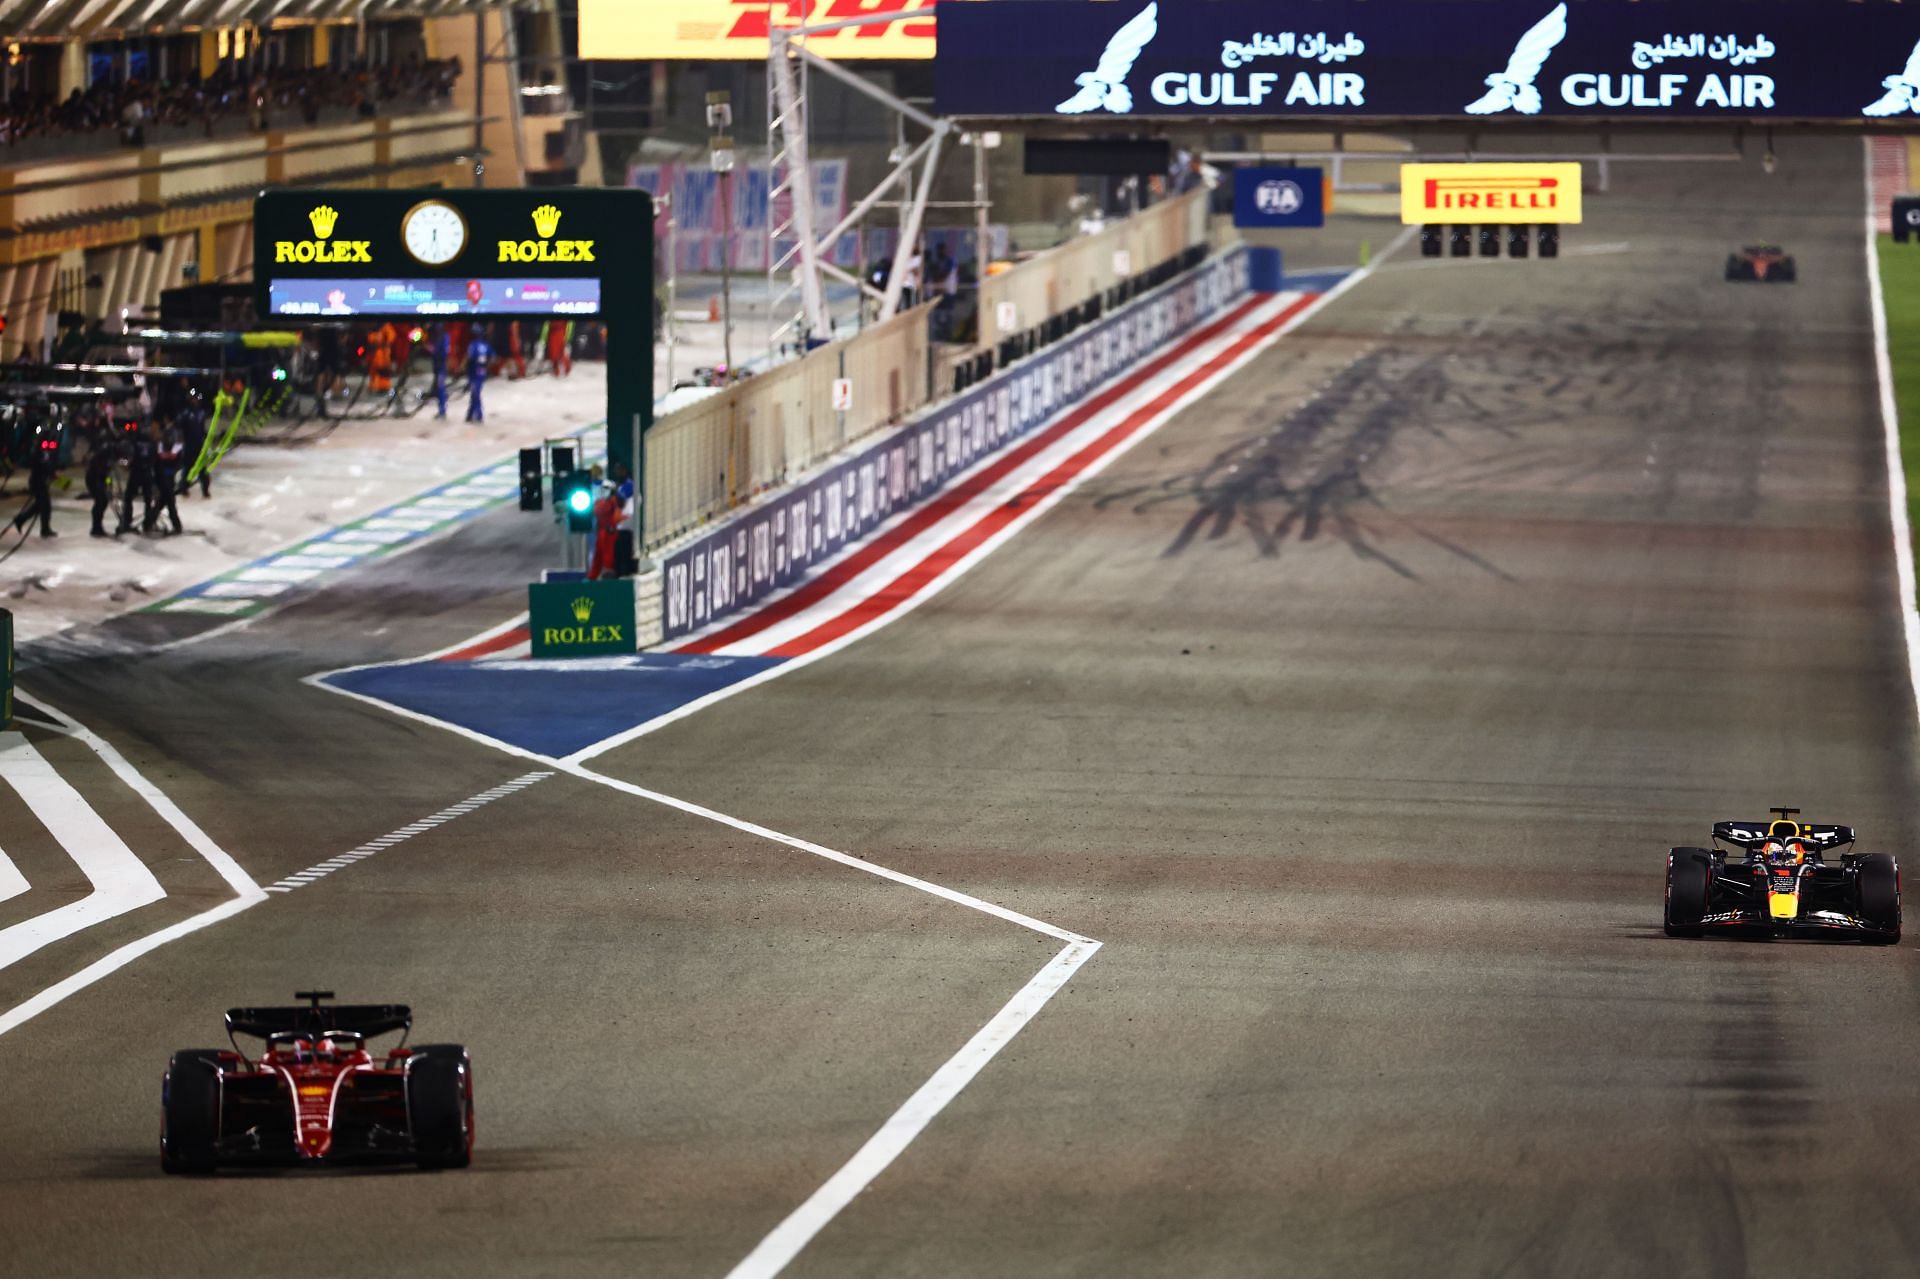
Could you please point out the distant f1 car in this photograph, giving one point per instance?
(1767, 263)
(1780, 884)
(315, 1094)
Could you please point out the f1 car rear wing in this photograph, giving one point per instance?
(1753, 835)
(361, 1019)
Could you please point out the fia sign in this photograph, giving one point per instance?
(1276, 197)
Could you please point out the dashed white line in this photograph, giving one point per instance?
(321, 870)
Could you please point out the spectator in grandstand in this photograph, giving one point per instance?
(134, 106)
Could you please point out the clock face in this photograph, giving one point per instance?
(434, 232)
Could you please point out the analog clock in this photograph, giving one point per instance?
(434, 232)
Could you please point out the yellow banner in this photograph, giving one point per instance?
(1484, 193)
(739, 28)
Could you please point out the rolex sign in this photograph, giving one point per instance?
(580, 619)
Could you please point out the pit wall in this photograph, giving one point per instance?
(778, 541)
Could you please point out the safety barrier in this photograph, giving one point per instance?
(721, 451)
(1047, 284)
(712, 456)
(779, 540)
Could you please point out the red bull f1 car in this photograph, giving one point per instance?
(1765, 263)
(315, 1094)
(1783, 878)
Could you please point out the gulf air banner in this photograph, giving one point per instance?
(1499, 60)
(1489, 193)
(740, 29)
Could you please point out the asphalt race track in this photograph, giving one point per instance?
(1353, 712)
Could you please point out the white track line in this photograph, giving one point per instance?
(773, 1253)
(12, 882)
(247, 892)
(121, 881)
(1890, 423)
(197, 839)
(321, 870)
(114, 961)
(953, 895)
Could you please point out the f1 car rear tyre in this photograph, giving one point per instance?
(1880, 897)
(1687, 877)
(440, 1101)
(190, 1111)
(1788, 271)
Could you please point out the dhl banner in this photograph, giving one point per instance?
(1489, 193)
(740, 28)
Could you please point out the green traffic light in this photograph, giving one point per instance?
(579, 500)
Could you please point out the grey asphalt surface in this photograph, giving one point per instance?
(1353, 711)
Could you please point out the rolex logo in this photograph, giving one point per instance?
(322, 248)
(582, 608)
(546, 220)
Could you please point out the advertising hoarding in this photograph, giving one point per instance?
(1278, 197)
(1492, 59)
(739, 29)
(1527, 194)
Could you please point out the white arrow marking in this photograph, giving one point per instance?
(121, 881)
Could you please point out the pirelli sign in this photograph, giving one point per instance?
(1489, 193)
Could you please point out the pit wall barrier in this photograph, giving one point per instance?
(776, 543)
(1089, 265)
(721, 452)
(755, 435)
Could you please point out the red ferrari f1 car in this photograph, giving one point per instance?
(1782, 884)
(1765, 263)
(315, 1094)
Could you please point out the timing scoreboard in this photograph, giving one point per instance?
(341, 255)
(449, 299)
(337, 254)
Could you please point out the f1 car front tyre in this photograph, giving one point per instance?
(190, 1111)
(1787, 271)
(440, 1101)
(1880, 897)
(1737, 269)
(1687, 877)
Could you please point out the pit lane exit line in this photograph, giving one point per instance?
(321, 870)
